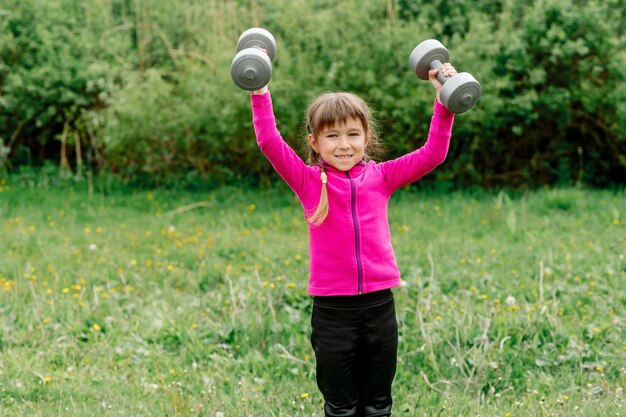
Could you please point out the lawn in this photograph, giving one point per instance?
(117, 301)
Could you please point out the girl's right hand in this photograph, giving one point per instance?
(263, 89)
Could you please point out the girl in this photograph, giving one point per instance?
(352, 264)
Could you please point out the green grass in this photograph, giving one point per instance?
(136, 303)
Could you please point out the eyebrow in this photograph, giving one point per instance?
(334, 129)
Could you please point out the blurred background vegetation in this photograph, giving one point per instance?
(142, 89)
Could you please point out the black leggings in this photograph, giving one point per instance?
(355, 339)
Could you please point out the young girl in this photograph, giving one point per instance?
(352, 264)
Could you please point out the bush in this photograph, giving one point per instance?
(145, 85)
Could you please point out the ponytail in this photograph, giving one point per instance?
(320, 213)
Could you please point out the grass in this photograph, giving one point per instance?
(166, 303)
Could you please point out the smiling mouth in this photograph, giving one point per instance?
(343, 156)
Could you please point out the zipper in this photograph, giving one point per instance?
(357, 243)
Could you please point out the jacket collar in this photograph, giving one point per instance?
(355, 171)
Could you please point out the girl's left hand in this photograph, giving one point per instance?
(447, 69)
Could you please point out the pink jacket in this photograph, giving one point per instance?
(350, 252)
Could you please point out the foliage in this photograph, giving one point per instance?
(159, 302)
(144, 88)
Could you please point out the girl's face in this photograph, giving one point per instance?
(341, 146)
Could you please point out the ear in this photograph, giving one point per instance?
(368, 136)
(313, 143)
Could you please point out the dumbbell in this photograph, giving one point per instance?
(459, 92)
(251, 68)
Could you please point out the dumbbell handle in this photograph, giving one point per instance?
(436, 64)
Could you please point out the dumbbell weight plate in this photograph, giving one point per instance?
(460, 92)
(257, 38)
(425, 53)
(251, 69)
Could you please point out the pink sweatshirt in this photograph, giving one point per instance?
(350, 252)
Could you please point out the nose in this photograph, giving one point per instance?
(344, 144)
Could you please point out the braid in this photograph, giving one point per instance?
(320, 213)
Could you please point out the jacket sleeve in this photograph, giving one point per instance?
(414, 165)
(282, 157)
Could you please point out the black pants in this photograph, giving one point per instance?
(355, 339)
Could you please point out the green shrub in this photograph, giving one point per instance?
(144, 86)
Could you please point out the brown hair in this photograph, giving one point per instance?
(325, 111)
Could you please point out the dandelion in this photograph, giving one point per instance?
(599, 369)
(304, 395)
(96, 327)
(510, 300)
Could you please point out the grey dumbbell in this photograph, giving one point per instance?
(459, 92)
(251, 68)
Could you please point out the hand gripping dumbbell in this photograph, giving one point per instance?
(459, 92)
(251, 68)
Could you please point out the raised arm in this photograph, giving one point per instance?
(414, 165)
(282, 157)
